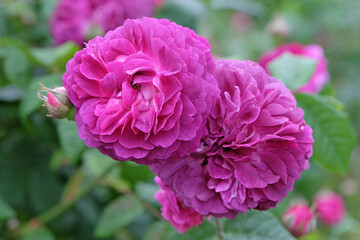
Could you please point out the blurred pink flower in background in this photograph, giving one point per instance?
(144, 91)
(159, 3)
(313, 51)
(182, 218)
(241, 21)
(257, 147)
(329, 207)
(81, 20)
(299, 220)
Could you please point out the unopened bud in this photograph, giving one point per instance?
(279, 27)
(299, 220)
(329, 207)
(56, 101)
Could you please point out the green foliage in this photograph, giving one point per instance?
(117, 214)
(334, 135)
(294, 71)
(5, 210)
(55, 57)
(69, 139)
(38, 234)
(256, 226)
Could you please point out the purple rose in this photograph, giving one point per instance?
(313, 51)
(182, 218)
(144, 91)
(257, 147)
(80, 20)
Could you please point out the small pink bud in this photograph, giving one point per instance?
(299, 220)
(241, 21)
(329, 207)
(56, 101)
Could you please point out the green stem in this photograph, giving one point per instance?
(219, 230)
(59, 209)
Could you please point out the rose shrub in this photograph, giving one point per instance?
(313, 51)
(144, 91)
(257, 147)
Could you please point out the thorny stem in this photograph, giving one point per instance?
(219, 230)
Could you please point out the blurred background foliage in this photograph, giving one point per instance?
(47, 174)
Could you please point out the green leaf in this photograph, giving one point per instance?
(16, 66)
(134, 173)
(333, 132)
(203, 231)
(146, 191)
(70, 142)
(5, 210)
(38, 234)
(256, 226)
(10, 93)
(293, 70)
(55, 56)
(119, 213)
(95, 163)
(156, 231)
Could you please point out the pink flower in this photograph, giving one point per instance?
(299, 220)
(313, 51)
(81, 20)
(144, 91)
(330, 208)
(182, 218)
(257, 147)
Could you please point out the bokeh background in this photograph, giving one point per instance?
(43, 162)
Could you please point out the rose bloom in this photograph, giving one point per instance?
(313, 51)
(299, 220)
(144, 91)
(80, 20)
(258, 145)
(330, 208)
(172, 209)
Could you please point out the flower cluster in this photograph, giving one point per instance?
(81, 20)
(223, 137)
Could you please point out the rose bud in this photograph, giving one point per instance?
(56, 101)
(299, 220)
(329, 207)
